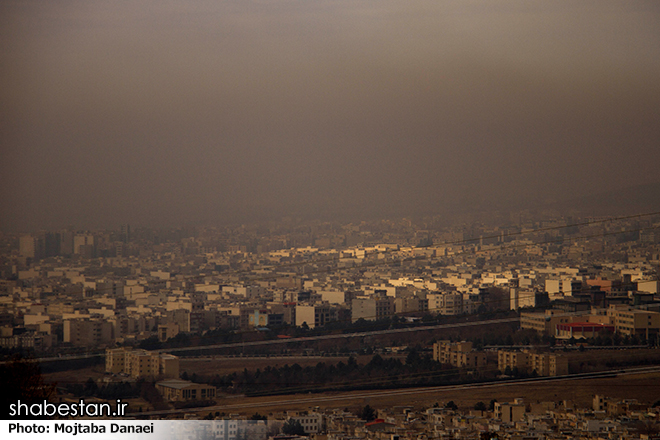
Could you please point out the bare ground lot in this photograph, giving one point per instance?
(62, 378)
(643, 387)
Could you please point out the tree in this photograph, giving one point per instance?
(257, 416)
(646, 428)
(91, 389)
(451, 405)
(21, 378)
(151, 343)
(413, 357)
(368, 414)
(480, 406)
(293, 427)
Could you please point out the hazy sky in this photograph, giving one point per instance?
(163, 112)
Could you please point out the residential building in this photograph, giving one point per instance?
(315, 315)
(445, 303)
(544, 364)
(87, 332)
(372, 308)
(631, 321)
(545, 322)
(510, 412)
(312, 423)
(458, 354)
(141, 363)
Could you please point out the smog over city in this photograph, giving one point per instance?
(166, 113)
(330, 219)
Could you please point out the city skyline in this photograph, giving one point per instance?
(334, 218)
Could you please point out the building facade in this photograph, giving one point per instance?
(141, 363)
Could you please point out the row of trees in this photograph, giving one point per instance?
(417, 370)
(21, 379)
(119, 390)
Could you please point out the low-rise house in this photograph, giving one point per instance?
(177, 390)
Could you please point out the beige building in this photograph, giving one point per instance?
(625, 320)
(167, 331)
(408, 304)
(315, 315)
(141, 363)
(513, 359)
(630, 321)
(545, 364)
(510, 412)
(445, 303)
(458, 354)
(373, 308)
(545, 323)
(177, 390)
(87, 332)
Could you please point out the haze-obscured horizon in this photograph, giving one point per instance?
(169, 113)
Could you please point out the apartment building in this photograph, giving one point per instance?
(458, 354)
(87, 332)
(312, 423)
(315, 315)
(371, 309)
(545, 322)
(631, 321)
(512, 359)
(225, 429)
(445, 303)
(141, 363)
(545, 364)
(510, 412)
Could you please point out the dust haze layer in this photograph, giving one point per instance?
(167, 113)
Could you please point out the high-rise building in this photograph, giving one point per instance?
(52, 244)
(125, 233)
(27, 246)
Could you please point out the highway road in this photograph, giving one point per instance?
(291, 340)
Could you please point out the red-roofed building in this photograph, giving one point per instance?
(379, 425)
(582, 330)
